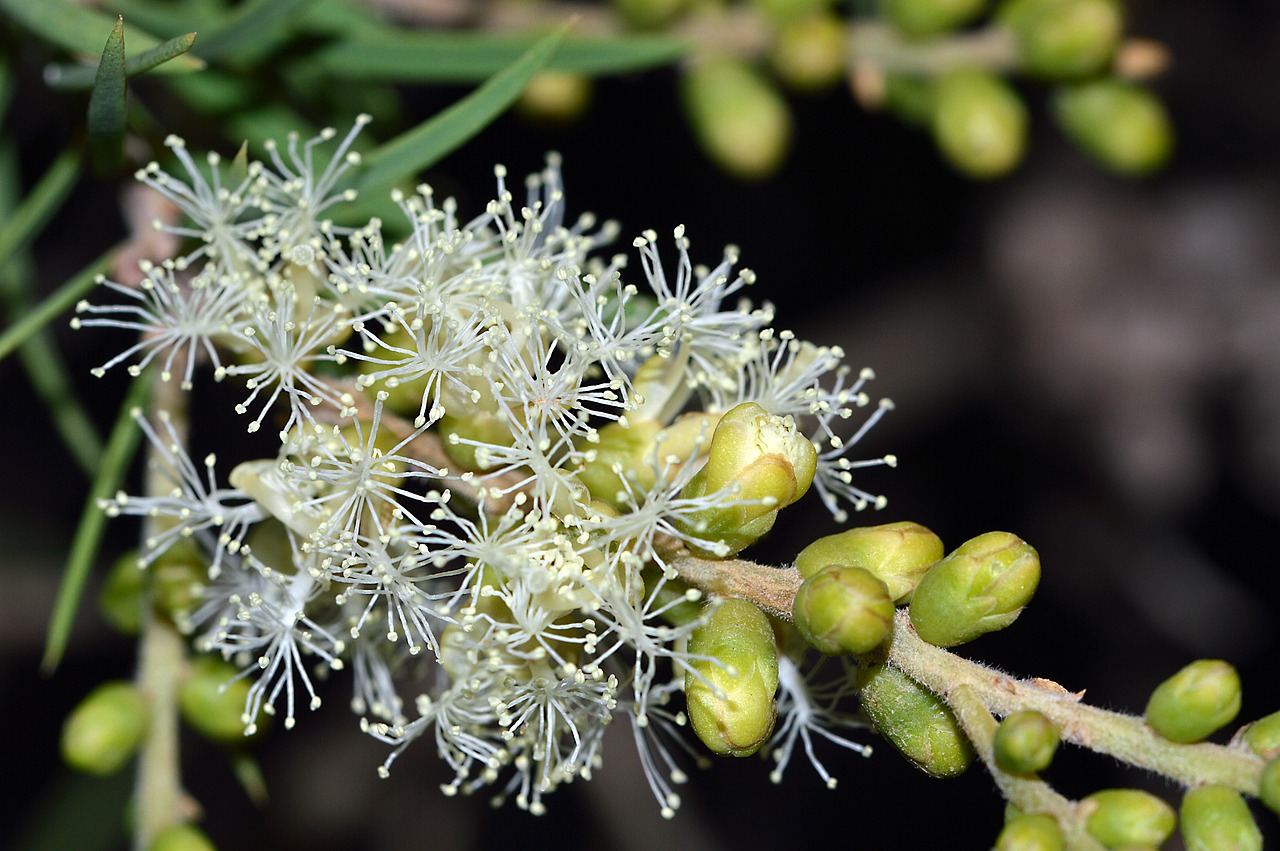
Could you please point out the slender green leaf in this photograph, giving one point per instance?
(49, 309)
(426, 144)
(40, 205)
(464, 57)
(252, 25)
(107, 105)
(78, 29)
(121, 446)
(74, 77)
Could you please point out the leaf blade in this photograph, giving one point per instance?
(76, 77)
(78, 28)
(107, 105)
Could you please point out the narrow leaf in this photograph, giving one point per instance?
(464, 57)
(121, 446)
(77, 28)
(251, 24)
(59, 302)
(40, 205)
(107, 105)
(423, 146)
(76, 77)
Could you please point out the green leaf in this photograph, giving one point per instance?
(423, 146)
(74, 77)
(39, 206)
(78, 29)
(253, 26)
(107, 105)
(45, 312)
(121, 446)
(464, 57)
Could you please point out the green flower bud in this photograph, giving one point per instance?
(1034, 832)
(1065, 39)
(1270, 787)
(1121, 125)
(979, 123)
(758, 459)
(181, 837)
(622, 452)
(810, 53)
(1263, 736)
(1215, 818)
(921, 18)
(1117, 817)
(121, 599)
(1025, 742)
(915, 721)
(898, 554)
(843, 610)
(738, 116)
(555, 96)
(1195, 702)
(102, 733)
(177, 587)
(981, 587)
(730, 692)
(211, 703)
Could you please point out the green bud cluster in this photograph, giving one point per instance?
(102, 733)
(915, 720)
(1025, 742)
(843, 610)
(979, 123)
(731, 684)
(980, 587)
(1196, 702)
(1032, 832)
(1123, 817)
(1216, 818)
(898, 554)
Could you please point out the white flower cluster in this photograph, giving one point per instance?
(487, 437)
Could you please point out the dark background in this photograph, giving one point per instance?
(1089, 362)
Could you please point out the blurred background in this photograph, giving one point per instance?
(1089, 361)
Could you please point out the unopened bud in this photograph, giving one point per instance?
(1120, 124)
(102, 733)
(1118, 817)
(1263, 736)
(1270, 786)
(898, 554)
(730, 692)
(121, 599)
(1195, 702)
(979, 123)
(182, 837)
(922, 18)
(479, 426)
(622, 454)
(979, 588)
(810, 53)
(739, 117)
(555, 96)
(915, 721)
(843, 610)
(1216, 817)
(1064, 39)
(762, 464)
(1033, 832)
(213, 701)
(1025, 742)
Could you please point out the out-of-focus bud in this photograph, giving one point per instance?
(650, 14)
(981, 587)
(177, 585)
(843, 610)
(914, 720)
(211, 702)
(787, 11)
(1034, 832)
(911, 98)
(1263, 736)
(558, 96)
(810, 53)
(182, 837)
(622, 453)
(1119, 817)
(730, 692)
(739, 117)
(922, 18)
(1064, 39)
(898, 554)
(1216, 817)
(102, 733)
(1270, 787)
(757, 460)
(121, 599)
(979, 123)
(1120, 124)
(1025, 742)
(1196, 702)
